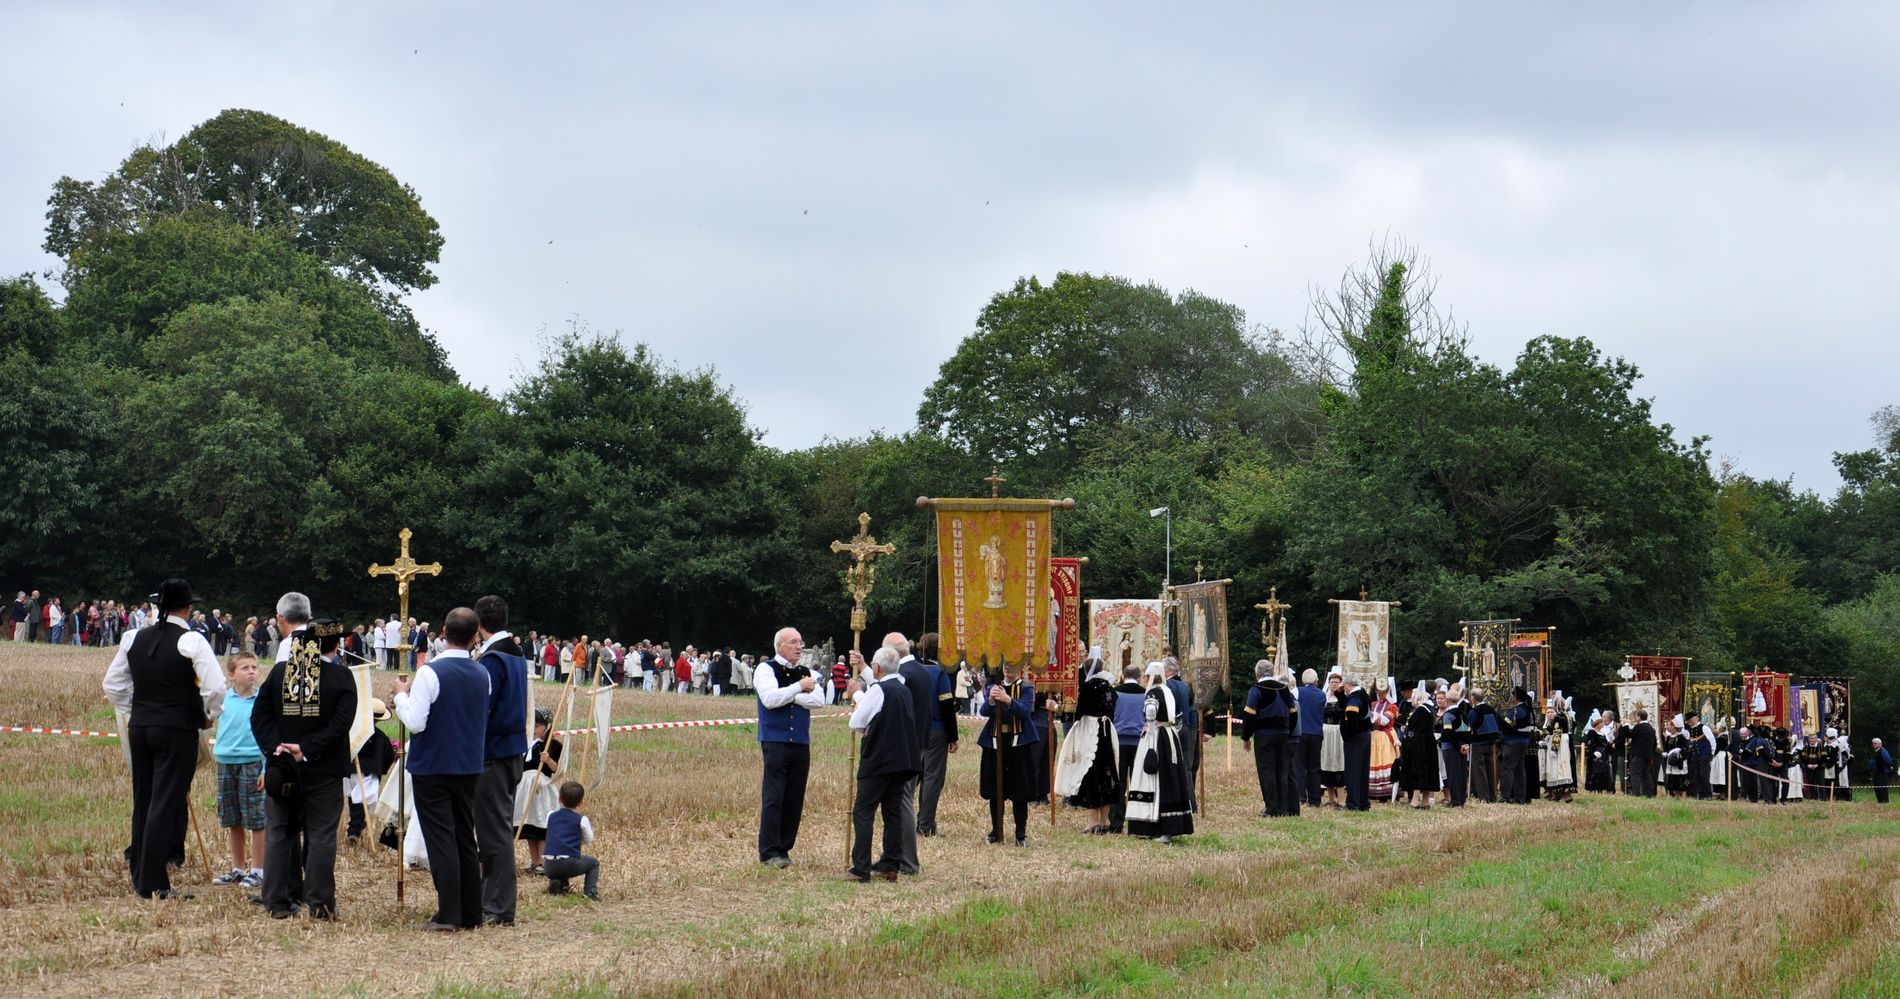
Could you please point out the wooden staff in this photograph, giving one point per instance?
(204, 855)
(402, 802)
(534, 783)
(1052, 764)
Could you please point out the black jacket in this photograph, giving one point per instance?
(322, 735)
(1642, 744)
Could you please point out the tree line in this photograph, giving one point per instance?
(230, 386)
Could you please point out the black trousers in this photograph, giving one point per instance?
(1643, 776)
(1309, 767)
(1484, 771)
(163, 760)
(1457, 775)
(1511, 777)
(881, 793)
(1358, 770)
(300, 847)
(1118, 810)
(1270, 759)
(1880, 787)
(445, 806)
(1699, 776)
(495, 836)
(782, 797)
(930, 785)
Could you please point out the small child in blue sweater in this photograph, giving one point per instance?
(568, 831)
(240, 775)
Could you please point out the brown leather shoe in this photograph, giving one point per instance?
(885, 875)
(855, 876)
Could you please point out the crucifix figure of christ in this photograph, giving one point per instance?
(1274, 621)
(405, 569)
(862, 576)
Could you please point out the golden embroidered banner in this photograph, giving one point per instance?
(1200, 637)
(993, 580)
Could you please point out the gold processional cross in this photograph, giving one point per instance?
(1275, 620)
(405, 569)
(862, 576)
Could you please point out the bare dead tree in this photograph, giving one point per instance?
(1336, 317)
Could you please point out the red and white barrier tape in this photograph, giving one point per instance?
(644, 727)
(35, 730)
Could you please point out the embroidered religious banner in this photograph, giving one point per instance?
(1711, 695)
(1200, 637)
(1834, 702)
(1668, 672)
(1530, 661)
(1365, 640)
(1488, 659)
(1129, 632)
(1765, 699)
(1065, 634)
(993, 580)
(1638, 695)
(1806, 716)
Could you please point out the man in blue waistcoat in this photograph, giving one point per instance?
(787, 694)
(504, 746)
(446, 710)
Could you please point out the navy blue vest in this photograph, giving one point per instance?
(458, 721)
(792, 722)
(507, 732)
(564, 834)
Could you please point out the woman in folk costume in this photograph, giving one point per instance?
(1676, 758)
(1010, 708)
(1718, 762)
(1088, 772)
(1419, 762)
(1843, 788)
(537, 794)
(1332, 746)
(1785, 763)
(1599, 751)
(1158, 793)
(1560, 775)
(1384, 753)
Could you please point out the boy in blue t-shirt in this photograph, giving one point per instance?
(240, 774)
(568, 831)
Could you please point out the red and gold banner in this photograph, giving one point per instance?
(1669, 672)
(1065, 590)
(1765, 699)
(993, 581)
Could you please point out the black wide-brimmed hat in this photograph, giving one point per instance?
(175, 593)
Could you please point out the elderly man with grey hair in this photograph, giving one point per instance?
(887, 767)
(787, 694)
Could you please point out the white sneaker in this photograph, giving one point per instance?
(232, 878)
(253, 879)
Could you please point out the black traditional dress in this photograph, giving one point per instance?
(1086, 767)
(1158, 792)
(1332, 747)
(1599, 759)
(1418, 759)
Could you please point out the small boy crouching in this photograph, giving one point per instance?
(568, 831)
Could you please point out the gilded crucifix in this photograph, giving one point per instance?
(862, 576)
(405, 569)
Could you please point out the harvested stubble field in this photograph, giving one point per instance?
(1607, 896)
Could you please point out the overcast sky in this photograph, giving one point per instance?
(816, 201)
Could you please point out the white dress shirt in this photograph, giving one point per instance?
(774, 696)
(492, 639)
(412, 706)
(870, 702)
(191, 645)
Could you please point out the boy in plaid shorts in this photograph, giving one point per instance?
(240, 774)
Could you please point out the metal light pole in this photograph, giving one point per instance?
(1167, 571)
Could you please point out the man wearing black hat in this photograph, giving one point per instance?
(302, 725)
(1516, 726)
(166, 677)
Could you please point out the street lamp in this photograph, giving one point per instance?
(1167, 571)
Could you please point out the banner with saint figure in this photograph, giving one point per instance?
(1488, 659)
(1365, 640)
(1530, 661)
(1638, 695)
(1669, 672)
(1200, 637)
(1711, 695)
(1828, 705)
(993, 580)
(1765, 699)
(1129, 632)
(1065, 630)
